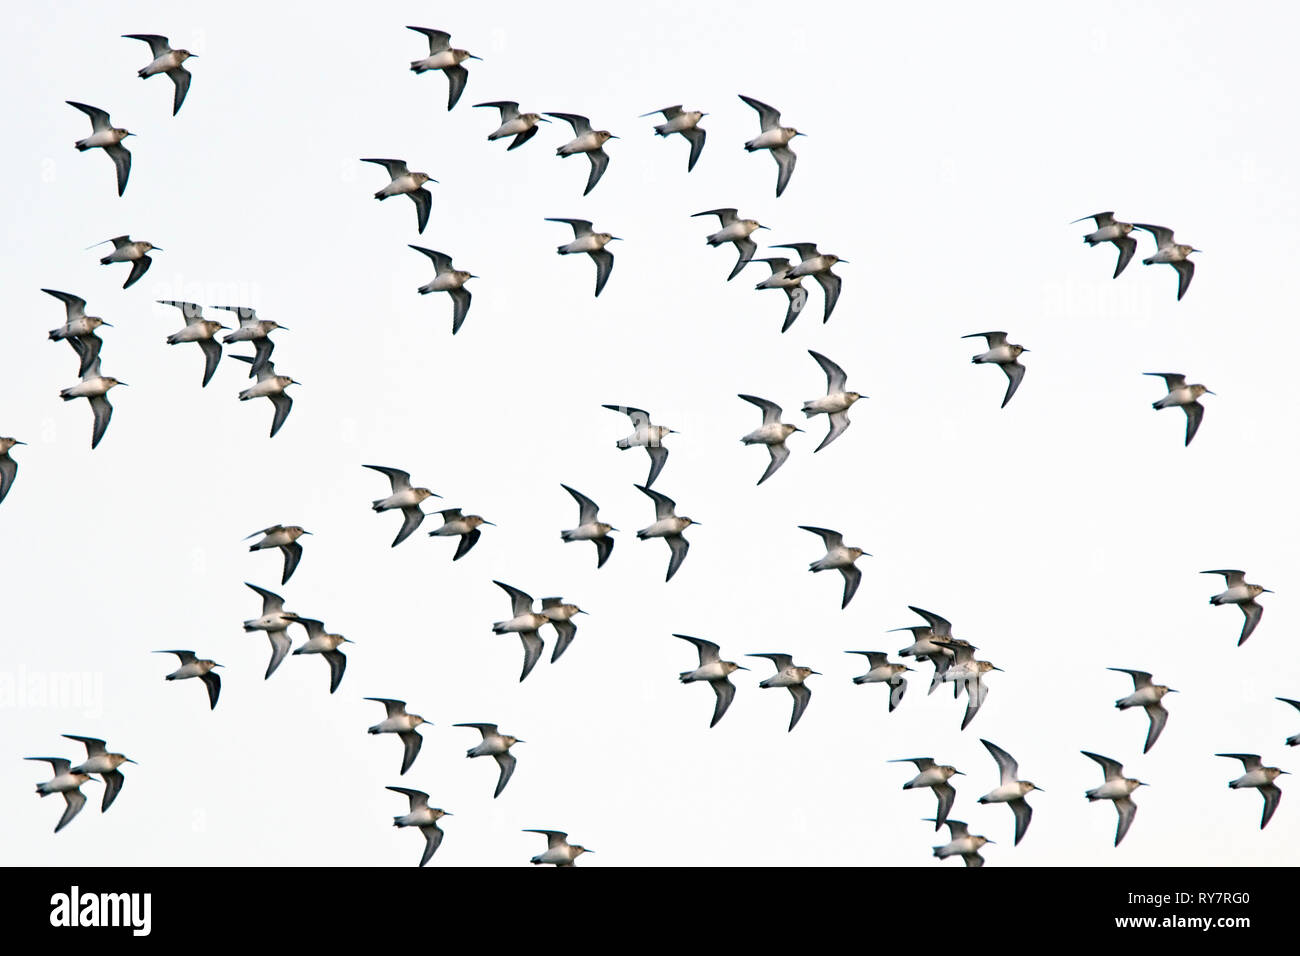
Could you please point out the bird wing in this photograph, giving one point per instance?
(801, 695)
(604, 546)
(1113, 769)
(1185, 269)
(726, 693)
(1101, 218)
(520, 601)
(122, 162)
(411, 518)
(103, 414)
(98, 118)
(423, 200)
(1140, 678)
(461, 300)
(1015, 374)
(832, 539)
(830, 284)
(746, 248)
(604, 260)
(581, 125)
(678, 546)
(522, 138)
(785, 160)
(781, 661)
(457, 77)
(400, 480)
(658, 458)
(439, 40)
(292, 555)
(852, 578)
(665, 507)
(974, 699)
(1007, 766)
(1173, 380)
(1195, 412)
(835, 377)
(392, 708)
(726, 216)
(1271, 794)
(779, 454)
(1253, 611)
(212, 680)
(506, 761)
(533, 647)
(599, 161)
(695, 136)
(395, 167)
(1127, 810)
(283, 403)
(806, 250)
(158, 45)
(1127, 245)
(565, 632)
(181, 77)
(138, 268)
(94, 746)
(113, 781)
(1158, 716)
(8, 469)
(1232, 577)
(554, 838)
(587, 509)
(411, 743)
(509, 109)
(668, 111)
(798, 297)
(1163, 236)
(467, 541)
(771, 410)
(581, 227)
(186, 657)
(419, 799)
(211, 356)
(1249, 761)
(338, 664)
(1024, 812)
(76, 800)
(767, 116)
(280, 646)
(708, 651)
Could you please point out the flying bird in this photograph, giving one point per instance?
(791, 285)
(593, 244)
(398, 721)
(193, 666)
(165, 60)
(1117, 788)
(275, 621)
(791, 676)
(558, 849)
(935, 776)
(774, 137)
(327, 646)
(284, 537)
(817, 265)
(99, 760)
(454, 523)
(443, 57)
(1261, 778)
(271, 386)
(968, 674)
(962, 844)
(1170, 253)
(450, 280)
(406, 183)
(1293, 741)
(736, 231)
(199, 330)
(524, 622)
(108, 138)
(1002, 354)
(67, 783)
(668, 526)
(1243, 595)
(772, 433)
(94, 388)
(837, 402)
(714, 670)
(1146, 695)
(883, 672)
(1110, 230)
(8, 467)
(589, 141)
(522, 126)
(589, 528)
(136, 253)
(421, 815)
(496, 745)
(1011, 790)
(644, 435)
(560, 614)
(255, 330)
(404, 497)
(1185, 396)
(686, 122)
(79, 329)
(838, 558)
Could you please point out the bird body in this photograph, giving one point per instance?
(398, 721)
(423, 816)
(1111, 230)
(589, 528)
(193, 666)
(165, 60)
(1261, 778)
(104, 135)
(442, 56)
(1243, 595)
(1170, 253)
(1003, 354)
(522, 126)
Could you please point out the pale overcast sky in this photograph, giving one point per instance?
(948, 148)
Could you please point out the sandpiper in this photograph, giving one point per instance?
(497, 745)
(560, 614)
(404, 497)
(1002, 354)
(522, 126)
(736, 231)
(836, 403)
(791, 285)
(791, 676)
(589, 141)
(79, 329)
(465, 526)
(1117, 788)
(838, 558)
(935, 776)
(1291, 741)
(818, 266)
(772, 433)
(1261, 778)
(1011, 790)
(406, 183)
(8, 467)
(398, 721)
(450, 280)
(136, 253)
(1185, 396)
(200, 331)
(193, 666)
(714, 670)
(255, 330)
(929, 641)
(559, 850)
(968, 674)
(443, 57)
(275, 621)
(644, 435)
(1146, 695)
(165, 60)
(589, 528)
(668, 526)
(962, 844)
(284, 537)
(67, 783)
(1243, 595)
(107, 137)
(686, 122)
(94, 388)
(525, 623)
(327, 646)
(423, 816)
(774, 137)
(1170, 253)
(99, 760)
(593, 244)
(1110, 230)
(883, 672)
(272, 386)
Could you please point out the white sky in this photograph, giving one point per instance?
(947, 150)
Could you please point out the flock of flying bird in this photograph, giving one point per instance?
(953, 659)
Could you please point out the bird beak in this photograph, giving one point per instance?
(739, 668)
(129, 760)
(1024, 350)
(491, 523)
(612, 136)
(612, 238)
(347, 640)
(157, 249)
(959, 772)
(305, 532)
(819, 673)
(990, 842)
(580, 611)
(108, 324)
(765, 227)
(518, 741)
(20, 443)
(693, 521)
(294, 381)
(1267, 591)
(543, 119)
(843, 262)
(471, 57)
(800, 134)
(612, 528)
(1208, 392)
(218, 665)
(282, 328)
(999, 669)
(121, 383)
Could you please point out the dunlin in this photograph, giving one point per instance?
(1004, 355)
(668, 526)
(791, 676)
(836, 403)
(99, 760)
(1170, 253)
(450, 280)
(593, 244)
(270, 386)
(772, 433)
(1147, 696)
(496, 745)
(443, 57)
(686, 122)
(79, 329)
(423, 816)
(193, 666)
(714, 670)
(404, 497)
(1011, 790)
(108, 138)
(1261, 778)
(644, 435)
(774, 137)
(522, 126)
(1243, 595)
(1110, 230)
(327, 646)
(525, 623)
(1185, 396)
(838, 557)
(558, 849)
(398, 721)
(136, 253)
(94, 388)
(935, 776)
(1117, 788)
(818, 266)
(165, 60)
(589, 528)
(561, 613)
(589, 141)
(199, 330)
(275, 621)
(735, 231)
(8, 467)
(284, 537)
(962, 844)
(791, 285)
(67, 783)
(883, 672)
(255, 330)
(465, 526)
(406, 183)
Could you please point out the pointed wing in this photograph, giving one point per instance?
(852, 578)
(1249, 761)
(122, 162)
(1015, 373)
(696, 137)
(1232, 577)
(1113, 769)
(76, 800)
(581, 227)
(581, 125)
(113, 781)
(88, 347)
(785, 160)
(836, 380)
(1127, 245)
(506, 761)
(8, 469)
(509, 109)
(533, 647)
(460, 299)
(1173, 380)
(411, 743)
(158, 45)
(678, 546)
(423, 200)
(767, 116)
(1007, 766)
(1158, 716)
(832, 539)
(1163, 236)
(1024, 813)
(467, 541)
(103, 414)
(283, 403)
(779, 454)
(1127, 810)
(338, 664)
(976, 691)
(771, 410)
(587, 509)
(522, 138)
(801, 695)
(565, 632)
(395, 167)
(604, 546)
(994, 339)
(392, 708)
(1140, 678)
(292, 555)
(439, 40)
(604, 260)
(138, 268)
(280, 646)
(830, 284)
(411, 518)
(419, 800)
(746, 247)
(554, 838)
(211, 357)
(400, 480)
(946, 794)
(1101, 218)
(658, 458)
(798, 297)
(74, 305)
(457, 77)
(94, 746)
(98, 118)
(708, 651)
(212, 680)
(1271, 795)
(520, 601)
(1185, 269)
(1253, 611)
(780, 661)
(665, 507)
(599, 161)
(726, 693)
(181, 77)
(1195, 412)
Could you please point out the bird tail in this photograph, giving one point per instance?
(373, 730)
(380, 195)
(105, 261)
(808, 413)
(685, 677)
(63, 394)
(376, 503)
(417, 68)
(860, 680)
